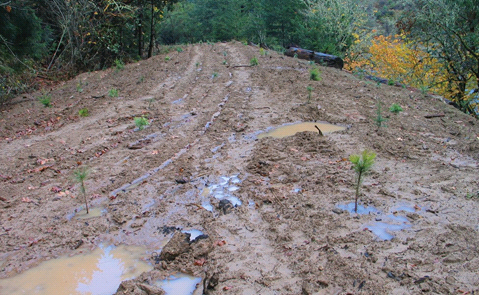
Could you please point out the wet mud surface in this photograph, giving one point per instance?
(208, 198)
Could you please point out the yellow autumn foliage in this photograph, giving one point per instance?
(395, 59)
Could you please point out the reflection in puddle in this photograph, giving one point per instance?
(288, 130)
(384, 224)
(179, 284)
(361, 209)
(93, 212)
(194, 233)
(97, 273)
(222, 190)
(383, 230)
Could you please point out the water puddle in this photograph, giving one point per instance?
(384, 224)
(223, 189)
(92, 212)
(361, 209)
(179, 284)
(194, 233)
(288, 130)
(97, 273)
(384, 230)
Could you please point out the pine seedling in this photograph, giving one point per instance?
(395, 108)
(253, 62)
(83, 112)
(80, 176)
(379, 117)
(310, 91)
(315, 74)
(141, 122)
(362, 165)
(46, 100)
(119, 64)
(113, 92)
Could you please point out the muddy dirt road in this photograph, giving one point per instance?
(272, 213)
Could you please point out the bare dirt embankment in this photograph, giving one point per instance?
(288, 236)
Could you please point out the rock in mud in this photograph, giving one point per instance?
(132, 287)
(178, 245)
(225, 206)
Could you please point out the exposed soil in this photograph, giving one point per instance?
(288, 236)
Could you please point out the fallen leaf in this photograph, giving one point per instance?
(32, 187)
(56, 189)
(155, 152)
(26, 200)
(220, 243)
(200, 262)
(227, 288)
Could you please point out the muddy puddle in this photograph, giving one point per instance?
(179, 284)
(98, 272)
(289, 130)
(92, 213)
(383, 225)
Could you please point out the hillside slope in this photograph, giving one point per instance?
(288, 236)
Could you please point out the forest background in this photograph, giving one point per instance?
(432, 45)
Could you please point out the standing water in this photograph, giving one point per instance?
(97, 273)
(288, 130)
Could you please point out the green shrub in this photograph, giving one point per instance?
(254, 61)
(179, 49)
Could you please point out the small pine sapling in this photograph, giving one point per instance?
(395, 108)
(362, 165)
(113, 92)
(80, 176)
(315, 74)
(83, 112)
(45, 100)
(141, 122)
(310, 91)
(379, 117)
(253, 62)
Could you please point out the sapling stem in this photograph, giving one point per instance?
(361, 164)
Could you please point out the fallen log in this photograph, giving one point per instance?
(318, 57)
(434, 116)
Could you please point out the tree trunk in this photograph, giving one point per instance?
(317, 57)
(152, 31)
(140, 31)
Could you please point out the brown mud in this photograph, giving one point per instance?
(200, 155)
